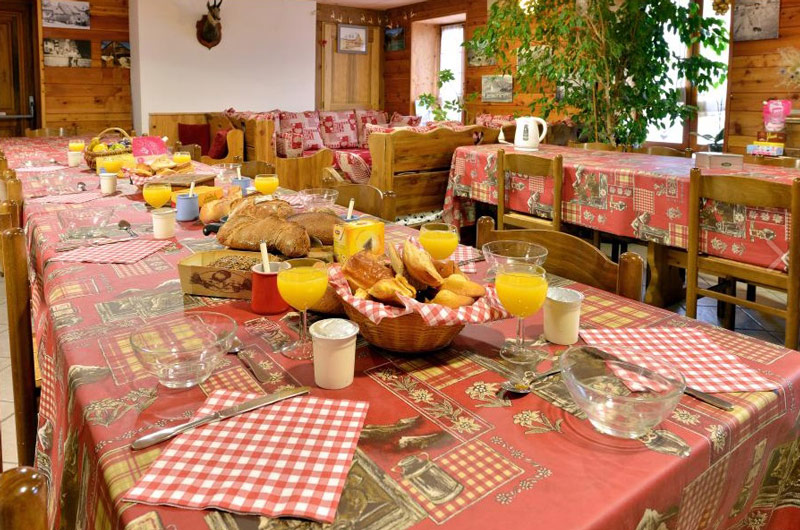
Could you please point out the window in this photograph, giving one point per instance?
(451, 58)
(710, 104)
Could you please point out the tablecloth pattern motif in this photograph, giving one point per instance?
(628, 194)
(439, 447)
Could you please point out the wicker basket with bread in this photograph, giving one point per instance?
(412, 303)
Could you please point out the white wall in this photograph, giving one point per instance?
(266, 58)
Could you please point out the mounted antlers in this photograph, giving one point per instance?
(209, 27)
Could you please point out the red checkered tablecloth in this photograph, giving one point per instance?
(122, 252)
(705, 365)
(286, 459)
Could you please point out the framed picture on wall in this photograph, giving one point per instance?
(497, 89)
(115, 53)
(756, 19)
(65, 14)
(395, 39)
(69, 53)
(352, 39)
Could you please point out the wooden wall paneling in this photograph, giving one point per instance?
(755, 75)
(94, 98)
(425, 53)
(351, 80)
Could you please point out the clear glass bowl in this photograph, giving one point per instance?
(183, 350)
(86, 223)
(603, 390)
(505, 251)
(319, 198)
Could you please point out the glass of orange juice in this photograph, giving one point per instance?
(77, 145)
(522, 289)
(157, 194)
(181, 157)
(301, 287)
(266, 184)
(439, 239)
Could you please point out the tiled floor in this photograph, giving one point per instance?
(764, 327)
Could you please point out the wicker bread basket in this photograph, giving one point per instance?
(91, 157)
(404, 334)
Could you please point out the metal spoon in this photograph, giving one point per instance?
(236, 346)
(125, 225)
(524, 385)
(81, 186)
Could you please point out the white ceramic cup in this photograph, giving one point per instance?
(108, 183)
(562, 315)
(334, 343)
(163, 223)
(74, 158)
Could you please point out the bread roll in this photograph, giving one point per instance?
(213, 211)
(451, 299)
(363, 270)
(246, 233)
(388, 291)
(259, 207)
(460, 284)
(318, 224)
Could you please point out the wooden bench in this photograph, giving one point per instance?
(166, 124)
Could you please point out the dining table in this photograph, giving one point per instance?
(442, 445)
(633, 195)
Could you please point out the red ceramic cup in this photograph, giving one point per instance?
(266, 300)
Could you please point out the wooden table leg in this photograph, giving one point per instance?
(665, 287)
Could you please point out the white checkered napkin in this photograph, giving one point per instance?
(70, 198)
(705, 365)
(487, 309)
(286, 459)
(120, 252)
(39, 169)
(462, 253)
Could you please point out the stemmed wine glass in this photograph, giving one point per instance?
(522, 289)
(301, 287)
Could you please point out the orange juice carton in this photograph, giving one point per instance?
(355, 236)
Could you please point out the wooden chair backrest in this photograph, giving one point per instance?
(194, 150)
(51, 131)
(529, 166)
(661, 150)
(778, 161)
(235, 140)
(369, 200)
(23, 499)
(573, 258)
(596, 146)
(18, 302)
(251, 168)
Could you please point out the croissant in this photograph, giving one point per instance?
(318, 224)
(388, 290)
(363, 270)
(419, 265)
(246, 233)
(450, 299)
(459, 284)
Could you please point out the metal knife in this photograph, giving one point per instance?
(712, 400)
(165, 434)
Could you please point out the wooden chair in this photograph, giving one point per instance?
(18, 301)
(573, 258)
(757, 194)
(529, 165)
(774, 161)
(235, 141)
(192, 149)
(661, 150)
(51, 131)
(596, 146)
(369, 200)
(251, 168)
(23, 499)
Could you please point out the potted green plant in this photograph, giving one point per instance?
(431, 102)
(607, 60)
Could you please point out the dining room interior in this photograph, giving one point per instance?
(384, 264)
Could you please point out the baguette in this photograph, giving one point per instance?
(246, 233)
(253, 207)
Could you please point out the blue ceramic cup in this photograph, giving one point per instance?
(188, 207)
(242, 182)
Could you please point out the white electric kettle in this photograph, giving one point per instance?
(527, 137)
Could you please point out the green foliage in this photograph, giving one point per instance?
(429, 101)
(610, 57)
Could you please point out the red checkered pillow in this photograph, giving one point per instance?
(289, 145)
(365, 117)
(353, 167)
(305, 123)
(494, 121)
(398, 120)
(338, 129)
